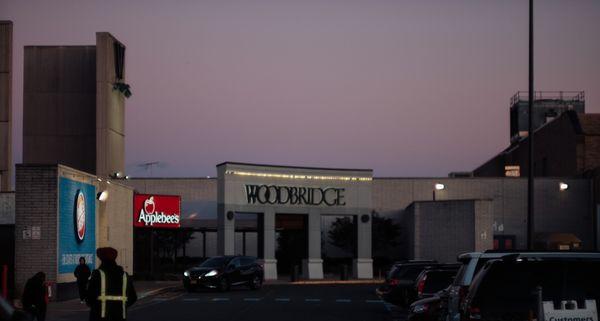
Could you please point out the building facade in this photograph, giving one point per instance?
(6, 167)
(72, 114)
(59, 219)
(492, 211)
(568, 146)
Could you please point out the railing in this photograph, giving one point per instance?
(567, 96)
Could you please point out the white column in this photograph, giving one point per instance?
(313, 266)
(225, 232)
(363, 264)
(269, 261)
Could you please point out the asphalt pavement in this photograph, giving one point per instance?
(308, 302)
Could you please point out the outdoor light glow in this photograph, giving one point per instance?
(299, 176)
(212, 273)
(439, 186)
(102, 196)
(563, 186)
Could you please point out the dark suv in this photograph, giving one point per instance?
(221, 272)
(430, 281)
(400, 281)
(507, 288)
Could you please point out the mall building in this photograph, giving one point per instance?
(71, 197)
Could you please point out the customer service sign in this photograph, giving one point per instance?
(158, 211)
(77, 224)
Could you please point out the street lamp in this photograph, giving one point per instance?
(563, 186)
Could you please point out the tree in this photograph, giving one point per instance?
(342, 234)
(169, 241)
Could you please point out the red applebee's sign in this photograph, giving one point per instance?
(158, 211)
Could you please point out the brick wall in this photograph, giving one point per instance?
(36, 205)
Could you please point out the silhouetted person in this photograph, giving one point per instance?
(34, 296)
(82, 273)
(111, 300)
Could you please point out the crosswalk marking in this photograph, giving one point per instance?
(252, 299)
(282, 300)
(191, 299)
(343, 300)
(374, 301)
(220, 299)
(312, 300)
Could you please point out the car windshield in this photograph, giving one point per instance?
(215, 262)
(409, 272)
(438, 280)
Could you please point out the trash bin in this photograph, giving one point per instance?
(344, 272)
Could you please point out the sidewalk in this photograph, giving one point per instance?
(324, 282)
(61, 309)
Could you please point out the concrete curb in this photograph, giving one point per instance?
(324, 282)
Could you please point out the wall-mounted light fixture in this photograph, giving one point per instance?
(563, 186)
(102, 196)
(438, 187)
(117, 175)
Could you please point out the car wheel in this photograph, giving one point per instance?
(223, 285)
(256, 282)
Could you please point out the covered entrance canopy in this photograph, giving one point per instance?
(269, 190)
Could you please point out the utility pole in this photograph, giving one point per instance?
(530, 177)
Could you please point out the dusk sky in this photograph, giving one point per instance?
(407, 88)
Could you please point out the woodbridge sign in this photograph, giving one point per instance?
(290, 195)
(159, 211)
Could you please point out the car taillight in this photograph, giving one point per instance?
(474, 313)
(421, 285)
(394, 282)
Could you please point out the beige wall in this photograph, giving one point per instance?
(115, 223)
(190, 189)
(6, 165)
(59, 109)
(110, 110)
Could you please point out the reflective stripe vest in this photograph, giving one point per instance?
(103, 297)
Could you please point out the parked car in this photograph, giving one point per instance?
(473, 262)
(9, 313)
(431, 281)
(507, 288)
(222, 272)
(399, 287)
(433, 308)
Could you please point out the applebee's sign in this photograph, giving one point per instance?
(157, 211)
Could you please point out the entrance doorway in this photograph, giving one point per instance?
(338, 245)
(247, 234)
(291, 233)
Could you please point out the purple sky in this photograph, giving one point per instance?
(407, 88)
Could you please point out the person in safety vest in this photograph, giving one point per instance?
(110, 290)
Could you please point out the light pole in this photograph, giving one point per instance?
(530, 177)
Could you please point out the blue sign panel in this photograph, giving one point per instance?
(77, 224)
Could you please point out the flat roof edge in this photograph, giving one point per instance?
(297, 167)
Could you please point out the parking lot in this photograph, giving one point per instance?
(272, 302)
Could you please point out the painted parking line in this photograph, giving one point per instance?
(282, 300)
(343, 300)
(252, 299)
(312, 300)
(160, 299)
(374, 301)
(219, 299)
